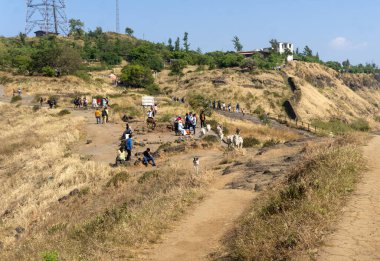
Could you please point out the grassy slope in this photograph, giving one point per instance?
(294, 215)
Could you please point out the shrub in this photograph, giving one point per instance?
(148, 175)
(334, 125)
(50, 256)
(270, 143)
(83, 75)
(48, 71)
(250, 142)
(16, 99)
(63, 112)
(360, 125)
(199, 102)
(153, 89)
(120, 177)
(137, 76)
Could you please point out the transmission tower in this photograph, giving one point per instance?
(117, 17)
(48, 16)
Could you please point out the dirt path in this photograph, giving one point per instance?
(357, 236)
(199, 234)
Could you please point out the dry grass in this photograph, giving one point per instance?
(294, 215)
(112, 214)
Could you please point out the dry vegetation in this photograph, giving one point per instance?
(294, 215)
(103, 213)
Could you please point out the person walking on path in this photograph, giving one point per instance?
(237, 107)
(97, 115)
(128, 147)
(107, 114)
(104, 115)
(202, 117)
(148, 157)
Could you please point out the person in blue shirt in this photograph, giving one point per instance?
(128, 147)
(148, 157)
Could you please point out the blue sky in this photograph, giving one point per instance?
(337, 29)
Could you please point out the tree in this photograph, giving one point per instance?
(177, 45)
(137, 76)
(177, 66)
(307, 51)
(170, 45)
(129, 31)
(76, 28)
(248, 64)
(186, 44)
(274, 44)
(237, 45)
(346, 64)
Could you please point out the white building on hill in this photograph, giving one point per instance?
(281, 47)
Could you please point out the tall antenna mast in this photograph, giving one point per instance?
(117, 17)
(48, 16)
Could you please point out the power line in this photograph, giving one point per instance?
(48, 16)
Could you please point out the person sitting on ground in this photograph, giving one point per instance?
(120, 159)
(98, 114)
(148, 157)
(181, 129)
(129, 146)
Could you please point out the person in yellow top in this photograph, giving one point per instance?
(98, 114)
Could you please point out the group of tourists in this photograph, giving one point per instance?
(80, 102)
(219, 105)
(184, 126)
(176, 99)
(127, 146)
(102, 116)
(100, 102)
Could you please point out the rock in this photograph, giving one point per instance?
(88, 141)
(258, 188)
(74, 192)
(20, 229)
(227, 170)
(63, 199)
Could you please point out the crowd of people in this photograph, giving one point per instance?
(184, 126)
(83, 102)
(219, 105)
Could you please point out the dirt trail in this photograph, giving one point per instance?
(199, 234)
(357, 236)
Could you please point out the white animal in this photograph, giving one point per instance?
(208, 127)
(238, 141)
(219, 130)
(203, 132)
(196, 164)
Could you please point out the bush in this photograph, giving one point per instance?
(120, 177)
(177, 67)
(153, 89)
(250, 142)
(334, 125)
(270, 143)
(50, 256)
(48, 71)
(148, 175)
(16, 99)
(360, 125)
(137, 76)
(63, 112)
(199, 102)
(83, 75)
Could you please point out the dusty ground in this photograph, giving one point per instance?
(357, 235)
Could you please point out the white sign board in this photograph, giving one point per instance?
(147, 101)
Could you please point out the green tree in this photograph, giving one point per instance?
(129, 31)
(186, 44)
(307, 51)
(137, 76)
(237, 45)
(177, 45)
(248, 64)
(177, 67)
(170, 45)
(76, 28)
(346, 64)
(274, 44)
(147, 55)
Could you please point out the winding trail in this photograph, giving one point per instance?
(357, 236)
(201, 231)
